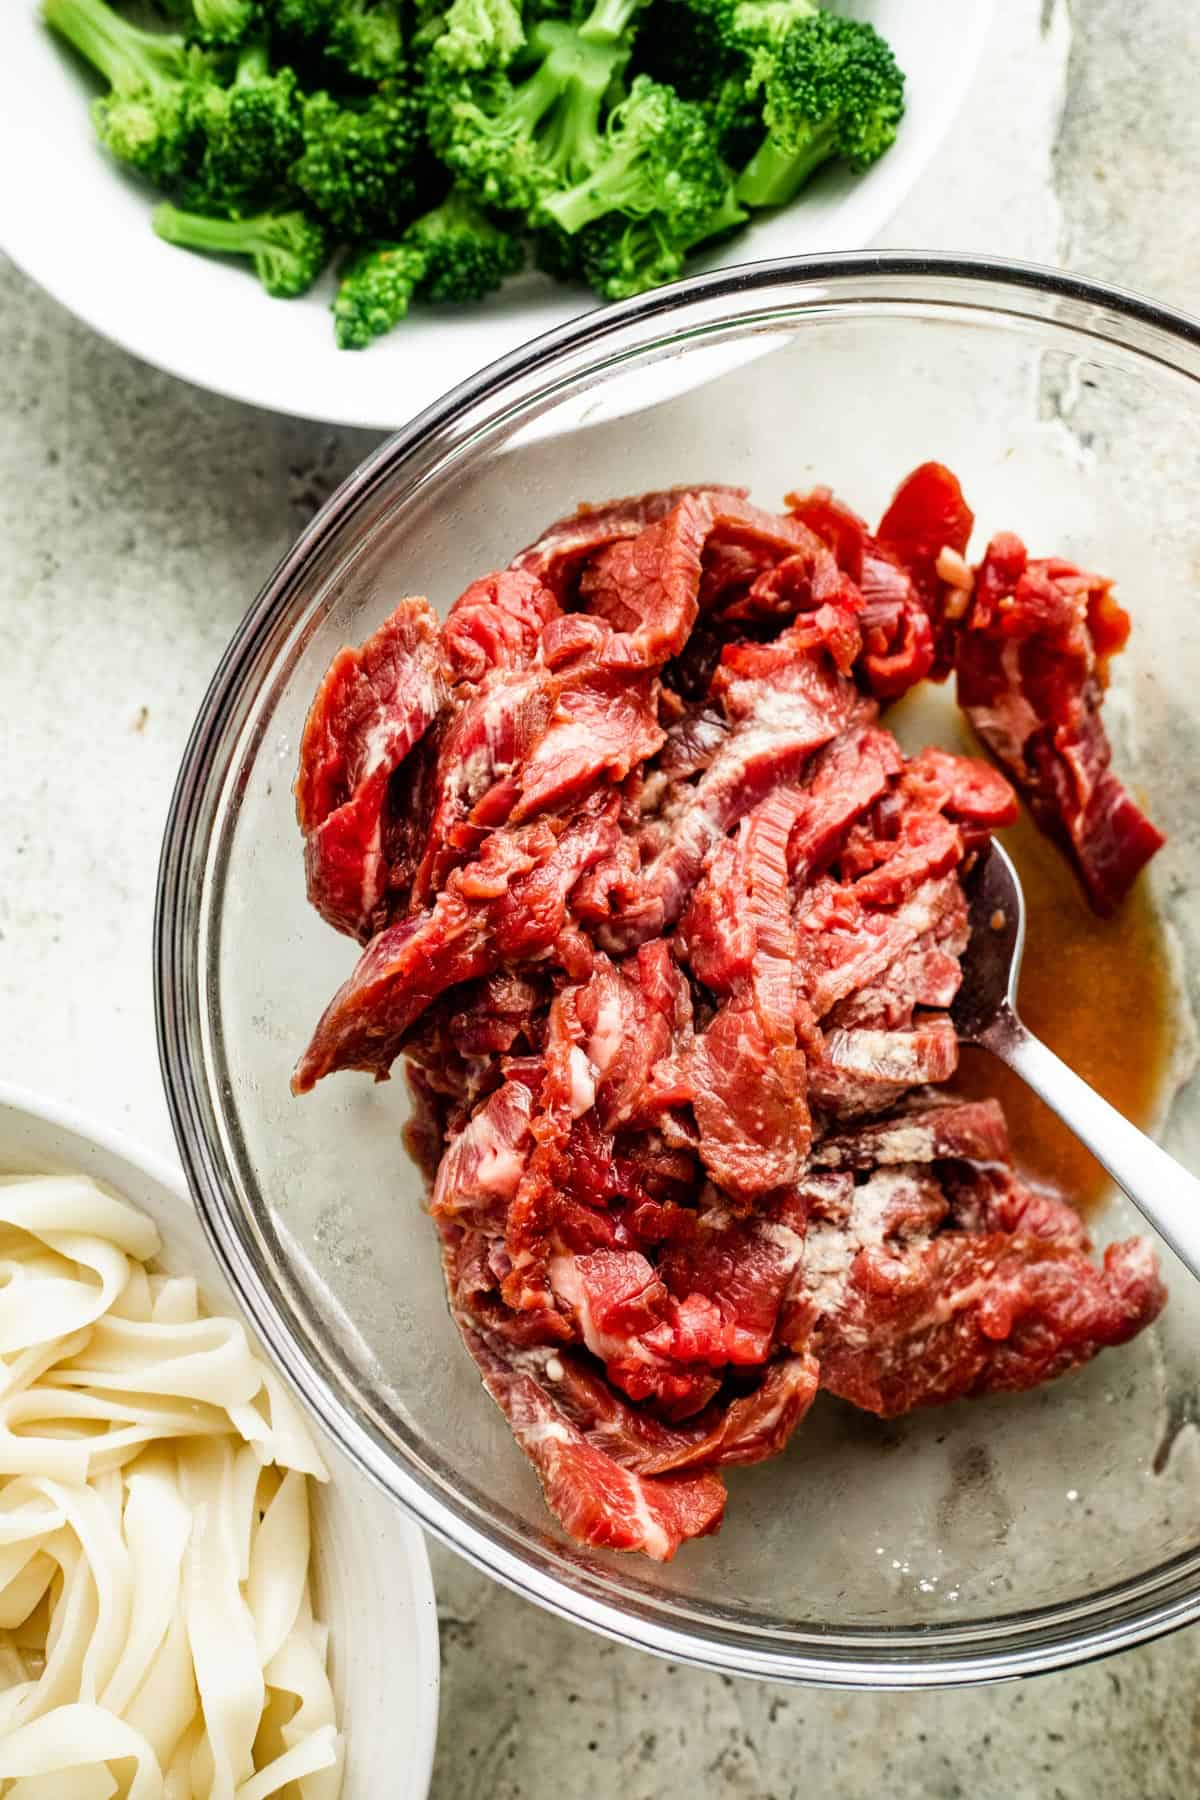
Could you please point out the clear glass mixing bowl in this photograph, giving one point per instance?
(990, 1539)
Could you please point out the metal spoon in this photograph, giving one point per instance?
(985, 1012)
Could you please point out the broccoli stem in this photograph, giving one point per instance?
(287, 249)
(532, 99)
(126, 56)
(608, 20)
(569, 85)
(774, 176)
(575, 139)
(219, 18)
(726, 216)
(253, 64)
(196, 231)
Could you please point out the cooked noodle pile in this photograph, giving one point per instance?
(157, 1638)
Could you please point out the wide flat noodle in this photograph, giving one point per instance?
(93, 1782)
(26, 1366)
(299, 1669)
(36, 1305)
(74, 1737)
(157, 1527)
(279, 1566)
(220, 1625)
(167, 1701)
(315, 1752)
(155, 1612)
(281, 1435)
(209, 1359)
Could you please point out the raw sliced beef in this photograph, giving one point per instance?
(598, 1501)
(565, 547)
(1032, 665)
(667, 928)
(373, 707)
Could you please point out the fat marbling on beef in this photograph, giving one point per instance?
(667, 928)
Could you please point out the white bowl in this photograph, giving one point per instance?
(372, 1580)
(81, 229)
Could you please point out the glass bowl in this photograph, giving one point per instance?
(990, 1539)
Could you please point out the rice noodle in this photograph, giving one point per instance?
(157, 1638)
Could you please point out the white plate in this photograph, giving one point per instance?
(373, 1585)
(81, 229)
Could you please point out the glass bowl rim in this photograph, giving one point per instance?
(1043, 1638)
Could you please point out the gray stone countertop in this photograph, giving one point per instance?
(127, 554)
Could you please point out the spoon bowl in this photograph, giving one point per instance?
(991, 967)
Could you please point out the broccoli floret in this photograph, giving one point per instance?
(214, 22)
(147, 119)
(480, 34)
(619, 257)
(766, 21)
(660, 156)
(832, 88)
(558, 254)
(509, 142)
(252, 135)
(363, 160)
(375, 293)
(688, 45)
(301, 18)
(736, 115)
(287, 249)
(466, 254)
(225, 21)
(366, 38)
(453, 253)
(426, 23)
(363, 37)
(704, 50)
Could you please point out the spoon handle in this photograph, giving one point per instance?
(1159, 1187)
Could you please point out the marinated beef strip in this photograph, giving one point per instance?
(1030, 641)
(667, 929)
(1032, 662)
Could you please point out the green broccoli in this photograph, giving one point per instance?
(215, 23)
(366, 39)
(363, 161)
(609, 21)
(303, 19)
(704, 50)
(510, 143)
(363, 37)
(466, 254)
(147, 119)
(766, 21)
(454, 253)
(620, 257)
(426, 24)
(480, 34)
(832, 88)
(288, 250)
(252, 135)
(374, 294)
(225, 21)
(660, 156)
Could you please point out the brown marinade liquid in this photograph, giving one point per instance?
(1098, 991)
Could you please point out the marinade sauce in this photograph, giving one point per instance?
(1098, 991)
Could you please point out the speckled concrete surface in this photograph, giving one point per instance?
(137, 516)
